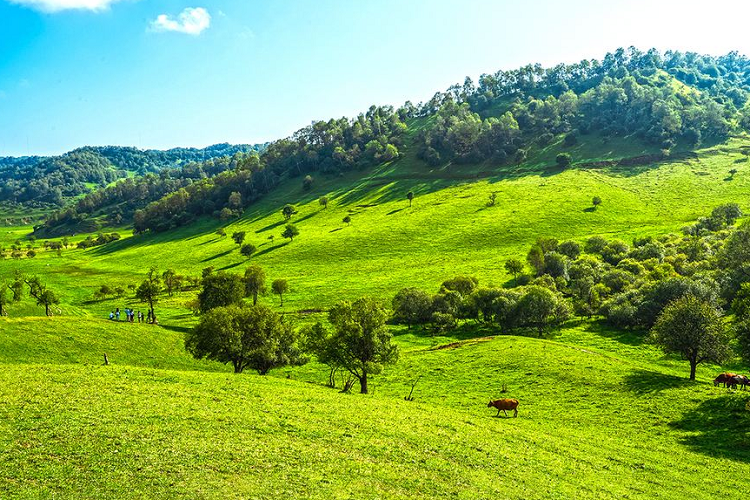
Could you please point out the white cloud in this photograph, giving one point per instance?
(191, 21)
(58, 5)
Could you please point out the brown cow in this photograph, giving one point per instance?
(724, 378)
(504, 404)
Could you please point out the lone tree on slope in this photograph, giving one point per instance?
(694, 329)
(290, 232)
(280, 287)
(148, 291)
(410, 197)
(238, 237)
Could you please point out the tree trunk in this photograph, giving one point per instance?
(363, 383)
(255, 298)
(281, 296)
(693, 365)
(46, 309)
(237, 366)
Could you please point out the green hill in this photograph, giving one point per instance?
(603, 414)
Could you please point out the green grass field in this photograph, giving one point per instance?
(608, 420)
(602, 414)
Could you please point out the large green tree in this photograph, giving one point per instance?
(248, 337)
(220, 290)
(255, 282)
(361, 339)
(693, 328)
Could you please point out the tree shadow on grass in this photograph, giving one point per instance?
(650, 382)
(628, 337)
(271, 226)
(218, 255)
(270, 249)
(175, 328)
(718, 427)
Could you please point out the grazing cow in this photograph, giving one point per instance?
(724, 378)
(740, 380)
(504, 404)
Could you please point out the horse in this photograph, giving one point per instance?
(504, 404)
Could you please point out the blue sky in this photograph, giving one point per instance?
(159, 74)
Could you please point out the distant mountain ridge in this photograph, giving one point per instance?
(53, 180)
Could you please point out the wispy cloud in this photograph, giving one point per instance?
(58, 5)
(191, 21)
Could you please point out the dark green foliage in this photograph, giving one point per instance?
(412, 306)
(148, 291)
(514, 267)
(238, 237)
(595, 245)
(290, 231)
(248, 337)
(248, 250)
(361, 339)
(461, 284)
(347, 220)
(570, 249)
(540, 308)
(563, 160)
(288, 211)
(692, 328)
(596, 201)
(101, 239)
(220, 290)
(255, 282)
(280, 287)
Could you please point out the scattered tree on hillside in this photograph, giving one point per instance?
(541, 308)
(220, 290)
(410, 197)
(104, 291)
(692, 328)
(43, 295)
(323, 201)
(307, 183)
(248, 337)
(515, 268)
(412, 306)
(221, 232)
(248, 250)
(347, 220)
(290, 231)
(596, 201)
(280, 287)
(288, 211)
(360, 342)
(563, 160)
(493, 198)
(171, 281)
(148, 291)
(255, 282)
(238, 237)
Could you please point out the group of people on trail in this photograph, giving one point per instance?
(131, 316)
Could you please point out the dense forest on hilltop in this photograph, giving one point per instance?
(40, 181)
(659, 99)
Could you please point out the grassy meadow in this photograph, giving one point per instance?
(602, 413)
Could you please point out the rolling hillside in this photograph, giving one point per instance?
(492, 168)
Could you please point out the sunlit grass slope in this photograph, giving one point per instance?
(388, 245)
(611, 421)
